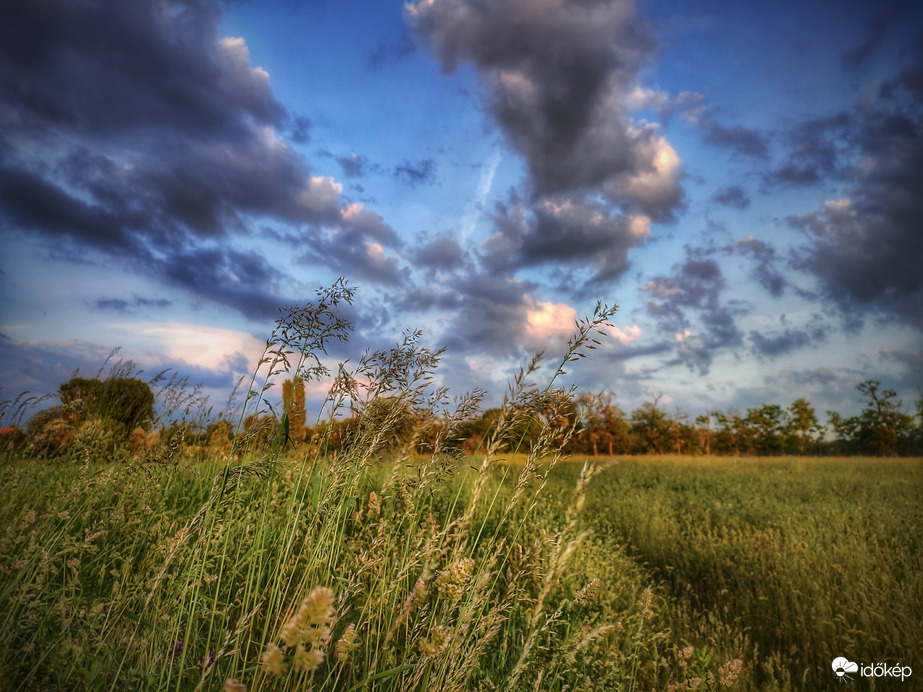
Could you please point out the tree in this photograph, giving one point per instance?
(802, 424)
(881, 425)
(651, 425)
(294, 407)
(604, 423)
(127, 401)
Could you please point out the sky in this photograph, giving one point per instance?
(742, 179)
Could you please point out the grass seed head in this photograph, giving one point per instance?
(273, 660)
(308, 660)
(346, 644)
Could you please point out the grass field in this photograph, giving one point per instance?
(658, 573)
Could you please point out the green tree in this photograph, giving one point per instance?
(651, 427)
(604, 424)
(802, 425)
(765, 423)
(127, 401)
(882, 426)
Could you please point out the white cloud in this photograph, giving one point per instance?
(547, 321)
(210, 348)
(626, 336)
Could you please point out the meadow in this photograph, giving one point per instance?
(394, 561)
(677, 573)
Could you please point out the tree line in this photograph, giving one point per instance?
(116, 416)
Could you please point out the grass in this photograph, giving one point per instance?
(273, 568)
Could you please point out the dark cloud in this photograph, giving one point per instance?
(354, 166)
(687, 306)
(114, 69)
(29, 201)
(875, 30)
(733, 196)
(864, 249)
(735, 137)
(552, 73)
(786, 342)
(816, 148)
(356, 252)
(557, 79)
(133, 130)
(490, 318)
(440, 252)
(739, 139)
(765, 264)
(243, 281)
(414, 174)
(127, 306)
(300, 129)
(562, 230)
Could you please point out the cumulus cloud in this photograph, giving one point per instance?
(554, 74)
(560, 80)
(563, 230)
(439, 252)
(133, 130)
(864, 246)
(816, 148)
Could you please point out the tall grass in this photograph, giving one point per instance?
(273, 571)
(792, 561)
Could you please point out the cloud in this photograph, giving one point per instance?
(133, 131)
(552, 73)
(626, 336)
(786, 342)
(440, 252)
(128, 306)
(686, 305)
(391, 52)
(765, 260)
(816, 148)
(560, 80)
(733, 196)
(876, 29)
(912, 360)
(563, 230)
(414, 174)
(864, 247)
(206, 348)
(739, 139)
(354, 166)
(117, 68)
(490, 316)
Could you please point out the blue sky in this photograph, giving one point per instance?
(743, 179)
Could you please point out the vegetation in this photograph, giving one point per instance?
(371, 551)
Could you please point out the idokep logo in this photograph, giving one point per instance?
(842, 667)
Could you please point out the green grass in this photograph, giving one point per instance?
(110, 581)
